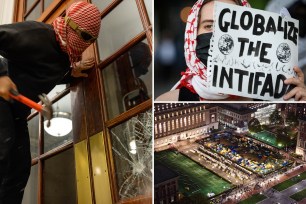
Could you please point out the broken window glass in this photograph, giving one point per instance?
(132, 151)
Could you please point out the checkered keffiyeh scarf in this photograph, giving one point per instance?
(195, 77)
(87, 16)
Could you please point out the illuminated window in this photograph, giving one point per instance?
(177, 123)
(155, 129)
(160, 128)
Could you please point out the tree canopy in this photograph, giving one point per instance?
(254, 125)
(275, 118)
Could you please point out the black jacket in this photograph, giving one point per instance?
(35, 61)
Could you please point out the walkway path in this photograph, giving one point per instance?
(267, 185)
(283, 196)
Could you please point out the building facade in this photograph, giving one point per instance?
(301, 140)
(263, 113)
(235, 116)
(178, 122)
(166, 188)
(299, 109)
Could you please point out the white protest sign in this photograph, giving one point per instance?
(252, 52)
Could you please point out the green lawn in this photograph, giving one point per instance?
(299, 195)
(193, 177)
(267, 138)
(290, 182)
(254, 199)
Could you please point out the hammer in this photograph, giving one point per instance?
(46, 110)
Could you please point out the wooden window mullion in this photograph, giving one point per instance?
(145, 20)
(26, 13)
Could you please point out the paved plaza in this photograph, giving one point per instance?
(283, 197)
(274, 196)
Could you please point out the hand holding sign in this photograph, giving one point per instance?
(299, 92)
(253, 52)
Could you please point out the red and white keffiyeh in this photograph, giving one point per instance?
(195, 77)
(87, 16)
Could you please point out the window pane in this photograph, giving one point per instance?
(47, 3)
(59, 179)
(101, 4)
(29, 4)
(33, 132)
(118, 28)
(30, 192)
(60, 131)
(128, 81)
(35, 13)
(148, 4)
(132, 151)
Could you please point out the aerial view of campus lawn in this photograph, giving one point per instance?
(193, 177)
(299, 195)
(290, 182)
(254, 199)
(254, 163)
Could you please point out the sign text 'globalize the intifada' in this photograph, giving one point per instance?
(252, 52)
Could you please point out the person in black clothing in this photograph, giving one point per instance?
(37, 56)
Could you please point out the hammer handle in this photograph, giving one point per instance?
(17, 96)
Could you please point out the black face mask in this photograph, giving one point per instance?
(203, 45)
